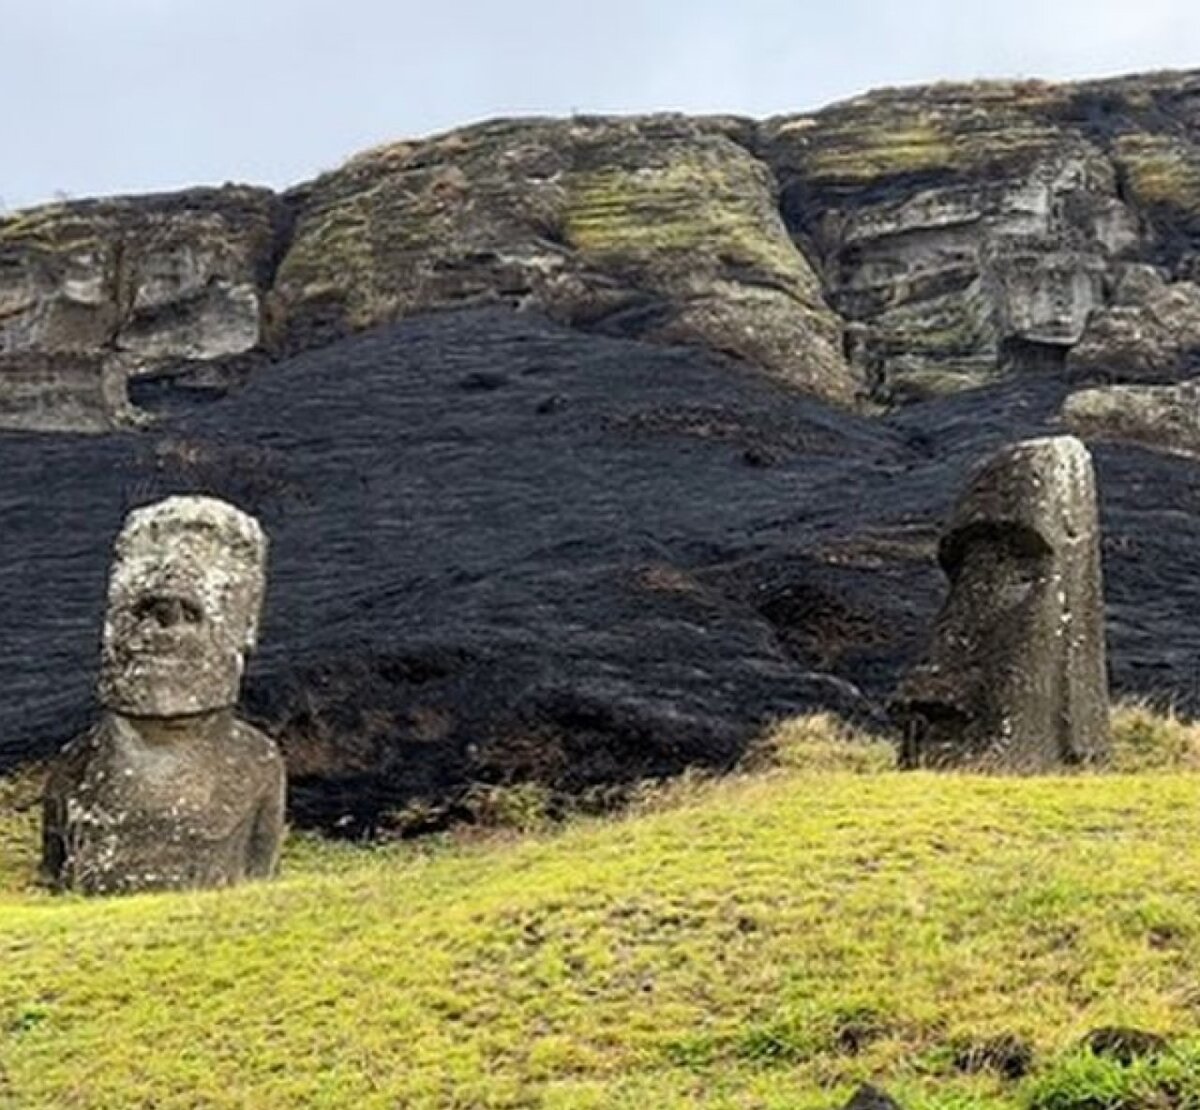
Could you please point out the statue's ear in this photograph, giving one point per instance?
(254, 601)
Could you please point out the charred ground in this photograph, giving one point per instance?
(504, 550)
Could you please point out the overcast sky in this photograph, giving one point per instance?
(104, 96)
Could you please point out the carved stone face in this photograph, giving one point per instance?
(183, 608)
(1015, 676)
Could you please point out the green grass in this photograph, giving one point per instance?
(866, 152)
(766, 941)
(1160, 170)
(1146, 738)
(820, 742)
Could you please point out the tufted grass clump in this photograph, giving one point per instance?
(1160, 170)
(821, 742)
(1081, 1080)
(1146, 738)
(521, 807)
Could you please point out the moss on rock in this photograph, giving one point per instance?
(950, 129)
(690, 205)
(658, 227)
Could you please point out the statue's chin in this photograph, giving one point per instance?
(167, 688)
(159, 708)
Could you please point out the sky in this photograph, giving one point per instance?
(114, 96)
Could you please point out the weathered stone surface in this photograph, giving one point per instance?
(169, 790)
(1043, 293)
(1150, 332)
(141, 281)
(658, 227)
(1161, 417)
(184, 599)
(963, 229)
(62, 392)
(1016, 676)
(177, 804)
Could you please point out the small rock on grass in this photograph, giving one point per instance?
(868, 1097)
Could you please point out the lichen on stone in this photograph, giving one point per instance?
(660, 227)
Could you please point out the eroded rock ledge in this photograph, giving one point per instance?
(906, 243)
(969, 231)
(663, 228)
(92, 292)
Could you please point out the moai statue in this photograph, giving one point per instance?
(1016, 677)
(170, 790)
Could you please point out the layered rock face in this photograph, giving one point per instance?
(1150, 331)
(1147, 338)
(1160, 417)
(662, 228)
(967, 230)
(100, 290)
(62, 391)
(902, 244)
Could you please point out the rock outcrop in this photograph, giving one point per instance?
(966, 231)
(1160, 417)
(132, 284)
(961, 229)
(42, 391)
(663, 228)
(906, 243)
(1150, 331)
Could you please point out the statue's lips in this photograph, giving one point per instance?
(152, 641)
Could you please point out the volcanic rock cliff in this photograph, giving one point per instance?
(648, 431)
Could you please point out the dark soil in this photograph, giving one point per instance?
(502, 550)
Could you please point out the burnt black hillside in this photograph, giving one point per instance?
(504, 549)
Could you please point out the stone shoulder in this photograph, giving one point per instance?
(256, 743)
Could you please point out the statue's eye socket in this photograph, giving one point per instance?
(191, 612)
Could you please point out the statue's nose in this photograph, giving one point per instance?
(168, 611)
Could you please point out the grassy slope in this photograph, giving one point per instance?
(765, 942)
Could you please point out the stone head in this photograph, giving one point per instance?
(184, 599)
(1015, 675)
